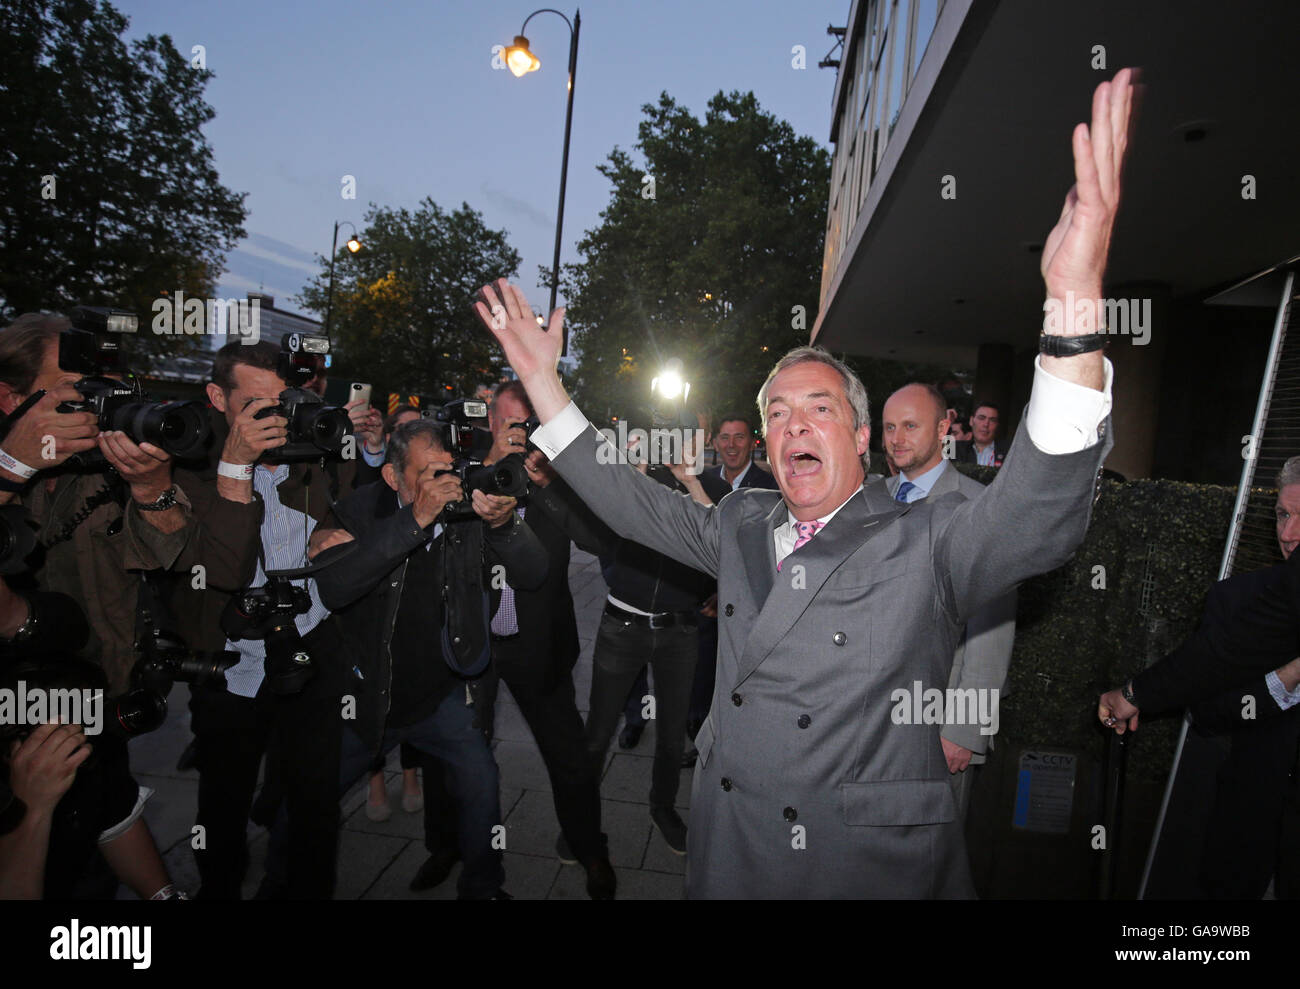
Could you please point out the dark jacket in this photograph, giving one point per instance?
(112, 543)
(649, 580)
(966, 451)
(1251, 626)
(364, 588)
(755, 477)
(557, 518)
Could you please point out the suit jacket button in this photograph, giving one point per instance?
(736, 699)
(804, 721)
(839, 638)
(790, 814)
(726, 783)
(729, 611)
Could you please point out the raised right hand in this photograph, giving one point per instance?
(73, 432)
(43, 766)
(529, 349)
(249, 437)
(433, 495)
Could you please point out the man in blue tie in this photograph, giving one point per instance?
(915, 422)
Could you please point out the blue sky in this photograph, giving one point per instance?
(403, 96)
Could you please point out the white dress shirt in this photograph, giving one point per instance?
(1062, 418)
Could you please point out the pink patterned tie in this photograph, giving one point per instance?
(806, 531)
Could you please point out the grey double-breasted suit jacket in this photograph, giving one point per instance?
(805, 785)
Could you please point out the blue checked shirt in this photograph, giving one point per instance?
(285, 532)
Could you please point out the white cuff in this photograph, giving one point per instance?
(1286, 699)
(122, 826)
(1064, 417)
(552, 437)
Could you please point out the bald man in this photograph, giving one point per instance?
(914, 423)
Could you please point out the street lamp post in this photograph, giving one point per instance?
(354, 245)
(521, 61)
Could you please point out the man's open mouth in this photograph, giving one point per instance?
(802, 464)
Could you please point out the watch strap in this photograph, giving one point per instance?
(164, 501)
(1055, 345)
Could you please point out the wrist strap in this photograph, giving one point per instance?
(1059, 346)
(240, 472)
(16, 466)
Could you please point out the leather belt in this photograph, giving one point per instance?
(504, 638)
(665, 619)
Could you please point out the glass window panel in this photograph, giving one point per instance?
(897, 78)
(927, 12)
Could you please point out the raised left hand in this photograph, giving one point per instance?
(1074, 254)
(144, 467)
(495, 510)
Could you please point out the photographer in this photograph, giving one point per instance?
(271, 705)
(404, 586)
(534, 648)
(62, 796)
(96, 525)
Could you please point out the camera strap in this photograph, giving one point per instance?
(466, 642)
(112, 490)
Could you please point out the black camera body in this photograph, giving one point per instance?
(460, 433)
(505, 477)
(17, 539)
(302, 358)
(315, 429)
(180, 428)
(268, 612)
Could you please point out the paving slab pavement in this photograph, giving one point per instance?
(377, 860)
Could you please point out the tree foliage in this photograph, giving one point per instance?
(111, 194)
(401, 316)
(721, 268)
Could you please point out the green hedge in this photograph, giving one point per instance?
(1158, 540)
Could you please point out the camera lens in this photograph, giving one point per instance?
(326, 427)
(140, 711)
(180, 428)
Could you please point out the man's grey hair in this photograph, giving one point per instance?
(399, 444)
(854, 390)
(1289, 474)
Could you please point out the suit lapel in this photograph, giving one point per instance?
(946, 482)
(759, 552)
(788, 594)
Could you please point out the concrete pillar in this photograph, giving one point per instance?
(1138, 367)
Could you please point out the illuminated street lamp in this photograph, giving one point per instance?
(521, 61)
(353, 245)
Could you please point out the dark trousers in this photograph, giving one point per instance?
(622, 649)
(544, 692)
(410, 758)
(300, 735)
(634, 703)
(471, 774)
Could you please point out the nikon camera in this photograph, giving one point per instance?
(461, 420)
(92, 347)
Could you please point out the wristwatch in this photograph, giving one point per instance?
(1126, 692)
(27, 629)
(165, 501)
(1054, 345)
